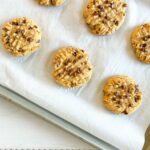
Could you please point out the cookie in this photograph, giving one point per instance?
(51, 2)
(122, 95)
(140, 40)
(72, 68)
(21, 36)
(104, 16)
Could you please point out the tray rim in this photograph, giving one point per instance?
(54, 119)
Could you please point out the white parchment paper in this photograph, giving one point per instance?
(111, 55)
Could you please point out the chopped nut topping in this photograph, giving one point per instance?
(75, 54)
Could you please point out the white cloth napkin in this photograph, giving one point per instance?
(111, 55)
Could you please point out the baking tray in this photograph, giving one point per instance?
(56, 120)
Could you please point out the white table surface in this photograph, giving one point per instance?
(20, 128)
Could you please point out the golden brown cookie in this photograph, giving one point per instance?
(51, 2)
(122, 95)
(21, 36)
(104, 16)
(141, 42)
(71, 67)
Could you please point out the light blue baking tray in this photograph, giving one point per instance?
(56, 120)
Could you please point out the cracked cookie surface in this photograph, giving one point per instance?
(104, 16)
(21, 36)
(141, 42)
(51, 2)
(122, 95)
(71, 67)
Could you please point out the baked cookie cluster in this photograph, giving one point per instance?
(72, 67)
(51, 2)
(21, 36)
(104, 16)
(122, 95)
